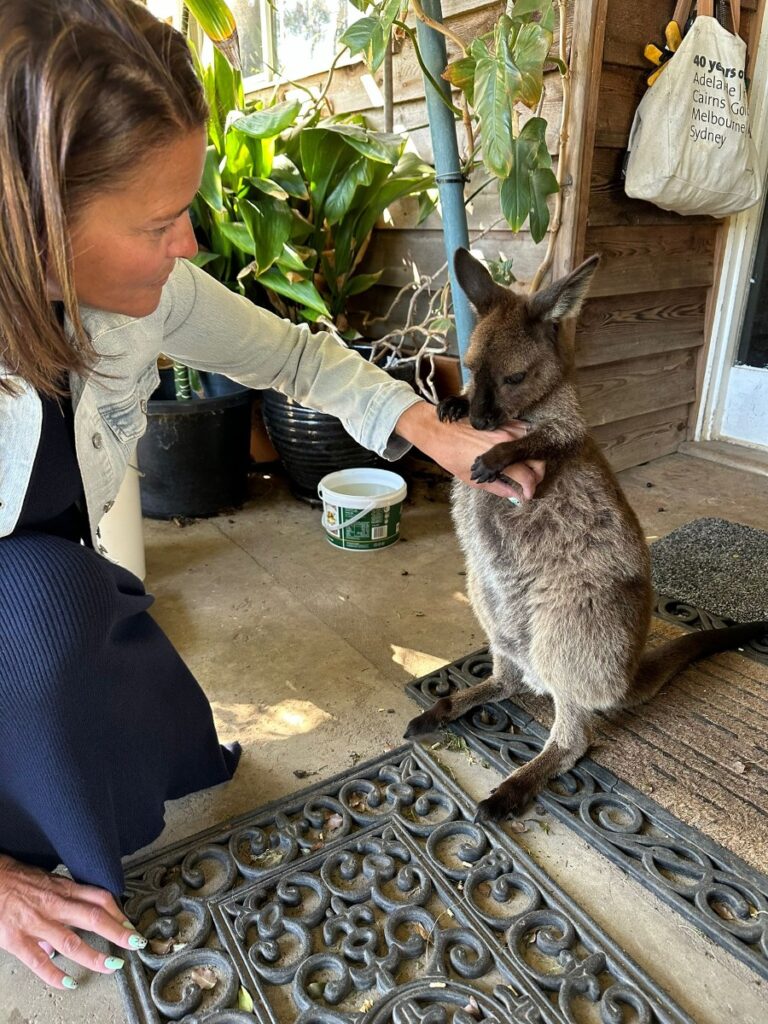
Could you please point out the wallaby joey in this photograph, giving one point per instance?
(560, 584)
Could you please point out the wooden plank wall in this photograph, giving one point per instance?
(641, 337)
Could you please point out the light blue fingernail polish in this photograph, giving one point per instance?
(114, 963)
(68, 982)
(137, 941)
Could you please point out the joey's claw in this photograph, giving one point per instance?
(455, 407)
(481, 473)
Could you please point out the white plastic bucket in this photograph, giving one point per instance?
(362, 507)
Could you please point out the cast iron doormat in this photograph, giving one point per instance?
(711, 887)
(370, 898)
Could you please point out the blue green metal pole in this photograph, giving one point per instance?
(450, 180)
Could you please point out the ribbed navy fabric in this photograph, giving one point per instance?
(100, 720)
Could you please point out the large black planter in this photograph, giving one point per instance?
(194, 456)
(312, 444)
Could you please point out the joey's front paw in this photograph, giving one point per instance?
(482, 472)
(456, 407)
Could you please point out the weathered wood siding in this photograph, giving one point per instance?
(641, 337)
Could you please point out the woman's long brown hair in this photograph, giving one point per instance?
(88, 88)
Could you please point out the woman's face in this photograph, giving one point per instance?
(126, 241)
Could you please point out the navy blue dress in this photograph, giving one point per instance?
(100, 720)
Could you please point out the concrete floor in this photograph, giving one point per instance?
(291, 638)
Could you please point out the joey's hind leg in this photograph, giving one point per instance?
(567, 741)
(505, 680)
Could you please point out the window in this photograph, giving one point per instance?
(280, 38)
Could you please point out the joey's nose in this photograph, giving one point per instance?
(483, 422)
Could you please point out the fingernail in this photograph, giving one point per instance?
(114, 963)
(128, 924)
(136, 941)
(68, 982)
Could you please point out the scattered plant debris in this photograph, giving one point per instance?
(244, 1001)
(204, 977)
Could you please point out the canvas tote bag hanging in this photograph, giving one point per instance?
(690, 149)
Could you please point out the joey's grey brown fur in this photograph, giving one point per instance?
(560, 584)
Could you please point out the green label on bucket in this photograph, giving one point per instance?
(377, 529)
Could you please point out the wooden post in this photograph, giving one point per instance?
(585, 66)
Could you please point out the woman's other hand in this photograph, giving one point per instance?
(39, 912)
(455, 446)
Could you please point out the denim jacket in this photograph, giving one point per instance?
(204, 325)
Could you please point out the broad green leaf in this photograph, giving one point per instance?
(210, 186)
(239, 235)
(201, 258)
(240, 161)
(324, 157)
(461, 74)
(370, 35)
(269, 224)
(493, 103)
(543, 184)
(515, 192)
(540, 12)
(288, 177)
(228, 85)
(359, 35)
(524, 192)
(270, 188)
(361, 283)
(290, 259)
(427, 204)
(270, 121)
(375, 145)
(529, 52)
(340, 199)
(302, 292)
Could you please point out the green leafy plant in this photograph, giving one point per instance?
(496, 73)
(289, 198)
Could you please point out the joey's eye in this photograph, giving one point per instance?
(515, 378)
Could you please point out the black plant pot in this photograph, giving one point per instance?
(312, 444)
(216, 384)
(194, 456)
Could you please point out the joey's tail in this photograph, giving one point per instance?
(659, 664)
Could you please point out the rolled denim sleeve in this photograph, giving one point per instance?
(208, 327)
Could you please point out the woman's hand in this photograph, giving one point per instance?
(456, 446)
(38, 912)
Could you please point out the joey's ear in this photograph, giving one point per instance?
(565, 297)
(480, 288)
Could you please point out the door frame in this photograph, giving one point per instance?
(742, 232)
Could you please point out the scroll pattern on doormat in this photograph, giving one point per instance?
(708, 885)
(370, 898)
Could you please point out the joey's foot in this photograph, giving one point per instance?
(456, 407)
(510, 797)
(430, 721)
